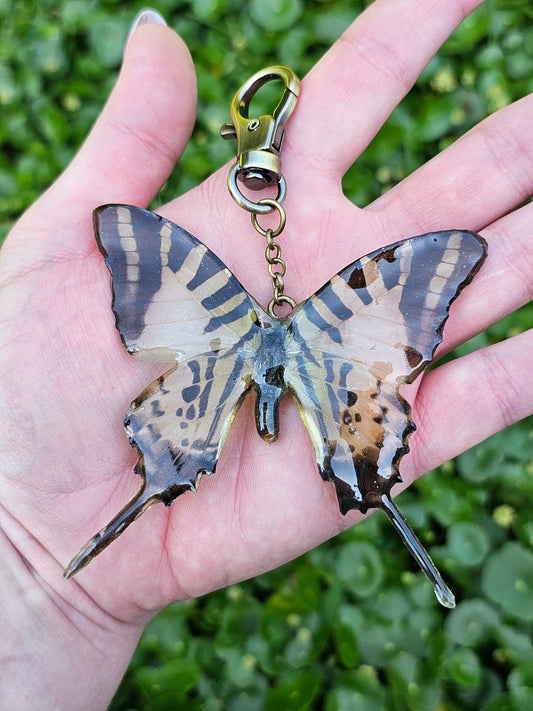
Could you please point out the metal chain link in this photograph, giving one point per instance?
(258, 164)
(276, 265)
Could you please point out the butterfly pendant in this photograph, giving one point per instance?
(342, 354)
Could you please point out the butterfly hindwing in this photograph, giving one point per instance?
(172, 297)
(179, 423)
(358, 425)
(371, 328)
(178, 426)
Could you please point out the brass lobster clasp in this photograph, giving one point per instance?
(259, 140)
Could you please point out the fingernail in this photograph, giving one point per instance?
(145, 17)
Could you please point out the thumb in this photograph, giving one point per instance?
(132, 148)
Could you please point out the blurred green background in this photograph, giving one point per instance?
(351, 625)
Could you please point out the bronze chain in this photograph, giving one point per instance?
(259, 142)
(276, 265)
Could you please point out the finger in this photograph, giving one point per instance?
(477, 395)
(503, 284)
(133, 146)
(481, 177)
(349, 94)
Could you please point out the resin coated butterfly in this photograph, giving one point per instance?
(343, 355)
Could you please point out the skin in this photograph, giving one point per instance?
(66, 381)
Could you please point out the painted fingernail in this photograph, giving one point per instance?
(145, 17)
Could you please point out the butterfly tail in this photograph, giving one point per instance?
(408, 536)
(133, 509)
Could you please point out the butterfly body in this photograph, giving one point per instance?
(343, 354)
(268, 374)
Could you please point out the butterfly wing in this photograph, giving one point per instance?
(373, 327)
(178, 426)
(172, 297)
(358, 424)
(370, 329)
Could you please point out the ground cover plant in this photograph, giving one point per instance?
(352, 624)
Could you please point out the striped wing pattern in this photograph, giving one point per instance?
(174, 300)
(179, 423)
(371, 328)
(343, 355)
(172, 297)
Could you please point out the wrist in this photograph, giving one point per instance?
(56, 653)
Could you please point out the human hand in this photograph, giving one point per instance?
(68, 466)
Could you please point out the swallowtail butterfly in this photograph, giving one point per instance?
(342, 354)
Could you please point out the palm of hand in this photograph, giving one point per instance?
(76, 381)
(67, 381)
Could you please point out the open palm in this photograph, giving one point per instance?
(66, 380)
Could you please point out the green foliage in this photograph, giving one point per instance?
(351, 625)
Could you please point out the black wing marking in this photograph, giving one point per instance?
(178, 426)
(172, 297)
(401, 296)
(370, 329)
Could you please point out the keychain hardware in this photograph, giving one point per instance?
(259, 140)
(258, 164)
(276, 265)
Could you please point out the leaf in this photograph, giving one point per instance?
(208, 10)
(507, 579)
(348, 700)
(345, 644)
(517, 644)
(520, 684)
(107, 38)
(299, 650)
(179, 674)
(276, 15)
(294, 693)
(467, 543)
(359, 566)
(471, 622)
(464, 667)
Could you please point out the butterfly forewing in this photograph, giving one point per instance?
(371, 328)
(172, 297)
(390, 307)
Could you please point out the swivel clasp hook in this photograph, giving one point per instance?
(259, 140)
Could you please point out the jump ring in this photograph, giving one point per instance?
(262, 207)
(275, 205)
(282, 299)
(272, 251)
